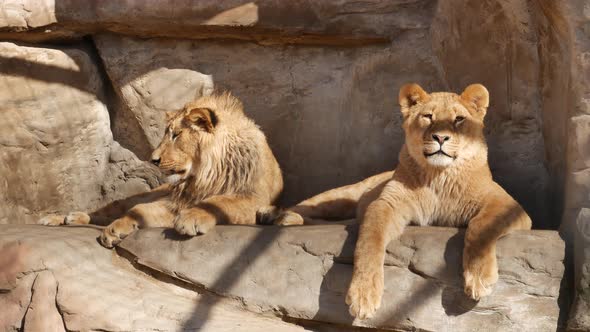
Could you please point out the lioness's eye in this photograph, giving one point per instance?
(175, 135)
(428, 116)
(459, 119)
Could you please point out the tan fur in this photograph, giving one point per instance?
(221, 168)
(454, 190)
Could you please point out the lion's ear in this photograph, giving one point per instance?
(203, 118)
(410, 95)
(477, 97)
(170, 115)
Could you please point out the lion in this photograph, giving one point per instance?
(442, 179)
(220, 169)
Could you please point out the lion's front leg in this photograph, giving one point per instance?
(222, 209)
(155, 214)
(498, 217)
(379, 225)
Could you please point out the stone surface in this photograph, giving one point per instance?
(304, 272)
(61, 279)
(56, 149)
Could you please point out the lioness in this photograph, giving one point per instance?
(442, 178)
(220, 167)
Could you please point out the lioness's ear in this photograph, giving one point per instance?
(477, 97)
(410, 95)
(203, 118)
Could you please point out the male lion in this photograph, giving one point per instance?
(443, 178)
(220, 167)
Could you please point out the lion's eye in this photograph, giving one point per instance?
(459, 119)
(175, 135)
(427, 116)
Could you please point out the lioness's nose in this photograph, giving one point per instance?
(440, 138)
(156, 161)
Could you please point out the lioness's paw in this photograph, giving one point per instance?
(77, 218)
(364, 294)
(480, 278)
(194, 221)
(288, 218)
(117, 231)
(272, 215)
(51, 220)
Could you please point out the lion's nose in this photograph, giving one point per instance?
(156, 161)
(440, 138)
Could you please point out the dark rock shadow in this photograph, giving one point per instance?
(172, 234)
(257, 247)
(453, 300)
(334, 286)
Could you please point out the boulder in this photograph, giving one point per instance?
(304, 272)
(61, 279)
(56, 148)
(54, 137)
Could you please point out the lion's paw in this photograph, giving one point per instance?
(51, 220)
(364, 294)
(480, 280)
(117, 231)
(193, 222)
(267, 215)
(77, 218)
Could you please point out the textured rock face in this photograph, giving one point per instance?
(61, 279)
(54, 137)
(331, 115)
(304, 272)
(316, 106)
(56, 148)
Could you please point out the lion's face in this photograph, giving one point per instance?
(188, 132)
(443, 128)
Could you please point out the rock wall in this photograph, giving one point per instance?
(321, 79)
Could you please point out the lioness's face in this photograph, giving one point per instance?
(442, 128)
(188, 132)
